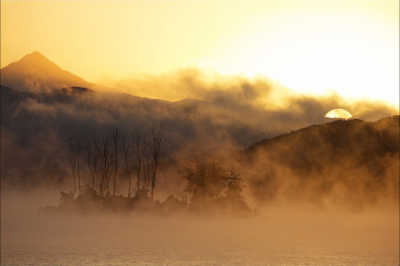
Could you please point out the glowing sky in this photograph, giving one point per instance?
(312, 46)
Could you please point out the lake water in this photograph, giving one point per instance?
(275, 239)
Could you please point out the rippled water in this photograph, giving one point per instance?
(122, 240)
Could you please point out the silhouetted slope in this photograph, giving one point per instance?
(334, 141)
(351, 161)
(34, 72)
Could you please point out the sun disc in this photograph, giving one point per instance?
(338, 113)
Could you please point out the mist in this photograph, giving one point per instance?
(207, 117)
(259, 92)
(283, 234)
(315, 188)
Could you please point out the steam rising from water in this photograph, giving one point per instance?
(282, 236)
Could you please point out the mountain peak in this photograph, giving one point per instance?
(34, 72)
(34, 55)
(38, 60)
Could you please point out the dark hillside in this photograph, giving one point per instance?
(350, 160)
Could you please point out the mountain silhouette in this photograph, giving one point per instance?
(43, 106)
(352, 162)
(35, 73)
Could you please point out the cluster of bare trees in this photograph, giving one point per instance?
(141, 154)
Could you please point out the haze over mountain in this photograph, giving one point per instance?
(35, 73)
(351, 163)
(226, 155)
(38, 122)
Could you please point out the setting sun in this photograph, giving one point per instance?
(338, 113)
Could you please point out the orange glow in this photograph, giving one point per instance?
(350, 47)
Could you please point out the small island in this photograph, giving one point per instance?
(213, 189)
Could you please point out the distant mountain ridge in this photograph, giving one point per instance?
(35, 73)
(352, 162)
(43, 107)
(338, 132)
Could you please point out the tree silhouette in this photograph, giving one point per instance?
(140, 154)
(95, 153)
(126, 147)
(107, 161)
(96, 158)
(155, 147)
(72, 159)
(209, 181)
(75, 163)
(78, 150)
(139, 147)
(115, 136)
(234, 185)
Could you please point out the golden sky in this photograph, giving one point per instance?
(309, 46)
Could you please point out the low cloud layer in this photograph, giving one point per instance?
(217, 116)
(233, 90)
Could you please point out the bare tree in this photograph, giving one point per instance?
(78, 151)
(72, 159)
(96, 158)
(147, 168)
(145, 157)
(115, 135)
(138, 148)
(95, 153)
(155, 147)
(126, 147)
(107, 160)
